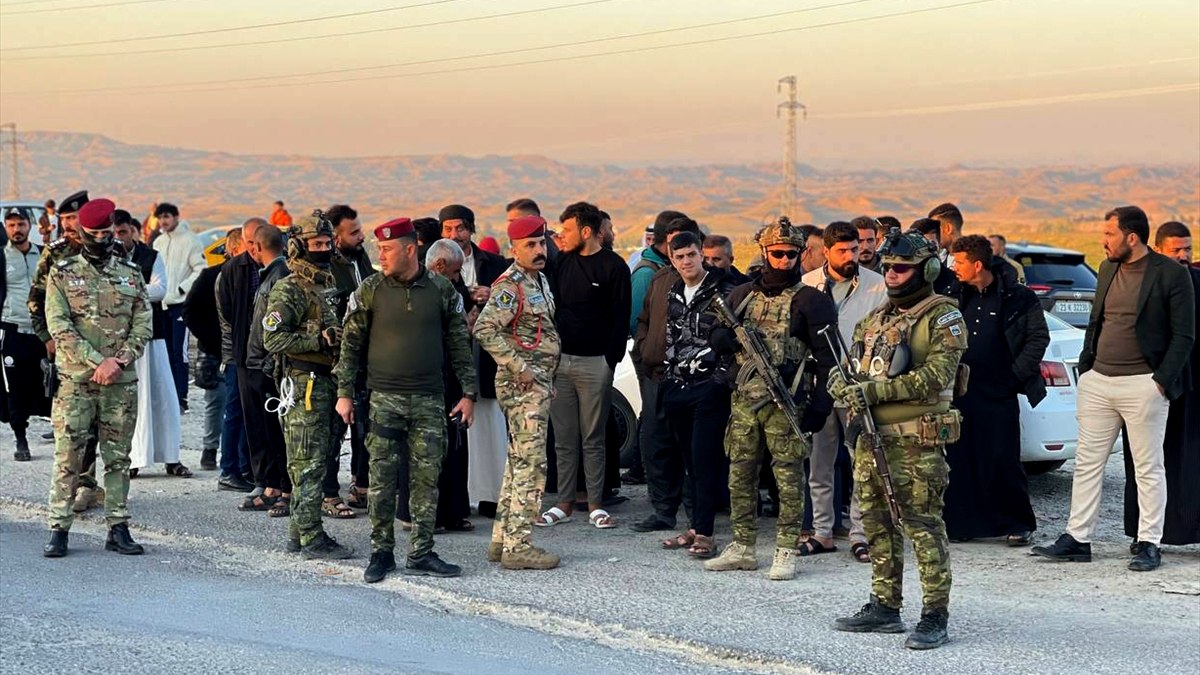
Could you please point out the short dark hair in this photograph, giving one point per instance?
(948, 213)
(585, 215)
(811, 231)
(121, 217)
(685, 239)
(976, 246)
(339, 212)
(661, 221)
(685, 224)
(718, 241)
(269, 239)
(924, 226)
(50, 203)
(525, 205)
(278, 202)
(1131, 219)
(840, 231)
(428, 230)
(865, 223)
(1171, 228)
(604, 215)
(166, 209)
(886, 223)
(1000, 237)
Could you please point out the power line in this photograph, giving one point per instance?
(4, 12)
(369, 31)
(232, 29)
(508, 52)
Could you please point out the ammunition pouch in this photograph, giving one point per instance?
(934, 428)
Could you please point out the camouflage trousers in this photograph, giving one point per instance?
(744, 437)
(919, 475)
(307, 431)
(405, 428)
(79, 409)
(528, 416)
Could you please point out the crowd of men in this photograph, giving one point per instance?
(859, 380)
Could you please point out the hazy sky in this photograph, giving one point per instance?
(1002, 81)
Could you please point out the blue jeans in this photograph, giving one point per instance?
(177, 351)
(235, 454)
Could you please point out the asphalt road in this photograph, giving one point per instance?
(216, 591)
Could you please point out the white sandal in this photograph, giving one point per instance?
(601, 520)
(552, 517)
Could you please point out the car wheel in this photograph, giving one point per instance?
(622, 429)
(1039, 468)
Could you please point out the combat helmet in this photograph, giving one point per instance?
(781, 231)
(910, 248)
(307, 227)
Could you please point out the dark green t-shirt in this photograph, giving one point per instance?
(404, 355)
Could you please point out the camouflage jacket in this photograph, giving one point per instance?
(360, 312)
(517, 328)
(95, 313)
(56, 250)
(299, 307)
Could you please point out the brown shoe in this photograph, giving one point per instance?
(532, 558)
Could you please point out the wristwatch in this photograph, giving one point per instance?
(472, 397)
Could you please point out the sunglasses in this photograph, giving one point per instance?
(780, 255)
(898, 268)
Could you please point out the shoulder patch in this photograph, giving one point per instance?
(517, 276)
(950, 317)
(505, 299)
(271, 321)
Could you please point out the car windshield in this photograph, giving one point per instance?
(1056, 324)
(1075, 275)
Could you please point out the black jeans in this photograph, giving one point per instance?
(263, 433)
(661, 455)
(177, 351)
(697, 414)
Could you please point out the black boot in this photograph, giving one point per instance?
(1066, 548)
(293, 545)
(872, 618)
(430, 565)
(208, 459)
(1146, 558)
(57, 547)
(931, 631)
(325, 547)
(120, 541)
(22, 452)
(381, 563)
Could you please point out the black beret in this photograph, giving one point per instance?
(73, 203)
(456, 212)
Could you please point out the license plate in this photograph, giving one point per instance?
(1065, 307)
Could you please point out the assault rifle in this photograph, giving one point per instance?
(752, 343)
(867, 421)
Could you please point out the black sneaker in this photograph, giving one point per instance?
(1065, 549)
(381, 563)
(652, 523)
(208, 459)
(120, 541)
(872, 618)
(22, 452)
(325, 547)
(631, 478)
(234, 483)
(430, 565)
(1147, 559)
(57, 547)
(931, 631)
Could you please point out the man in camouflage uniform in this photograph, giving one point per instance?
(87, 491)
(517, 328)
(301, 327)
(399, 324)
(787, 315)
(100, 319)
(904, 364)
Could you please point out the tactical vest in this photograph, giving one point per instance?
(321, 294)
(771, 318)
(884, 334)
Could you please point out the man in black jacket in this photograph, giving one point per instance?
(200, 316)
(1138, 342)
(989, 496)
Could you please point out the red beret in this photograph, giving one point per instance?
(526, 227)
(490, 245)
(394, 229)
(97, 214)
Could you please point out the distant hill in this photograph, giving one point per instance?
(1057, 204)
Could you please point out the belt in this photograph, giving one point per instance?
(909, 428)
(310, 367)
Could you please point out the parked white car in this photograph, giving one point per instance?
(1048, 433)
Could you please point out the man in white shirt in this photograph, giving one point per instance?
(21, 393)
(183, 256)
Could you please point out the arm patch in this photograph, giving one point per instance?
(949, 318)
(271, 321)
(506, 299)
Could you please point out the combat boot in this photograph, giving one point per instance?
(57, 547)
(120, 541)
(325, 547)
(532, 558)
(735, 557)
(381, 563)
(931, 631)
(874, 617)
(495, 552)
(292, 545)
(783, 567)
(430, 565)
(22, 452)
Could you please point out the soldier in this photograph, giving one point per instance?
(517, 328)
(88, 493)
(98, 315)
(301, 327)
(399, 324)
(788, 316)
(904, 362)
